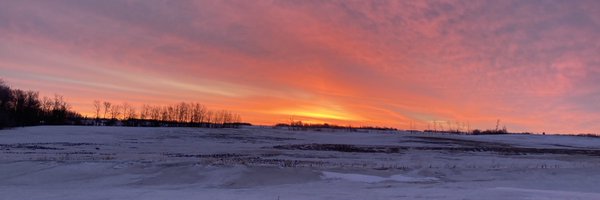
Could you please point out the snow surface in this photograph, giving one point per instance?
(77, 162)
(374, 179)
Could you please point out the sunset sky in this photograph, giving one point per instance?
(535, 65)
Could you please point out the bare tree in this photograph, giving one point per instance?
(47, 104)
(97, 108)
(182, 112)
(155, 113)
(126, 110)
(237, 118)
(497, 124)
(164, 114)
(171, 113)
(145, 112)
(193, 112)
(468, 126)
(202, 111)
(115, 112)
(107, 108)
(131, 113)
(209, 118)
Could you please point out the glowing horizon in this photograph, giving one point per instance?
(532, 64)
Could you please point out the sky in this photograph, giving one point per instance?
(534, 65)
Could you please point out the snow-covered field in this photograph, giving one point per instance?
(74, 162)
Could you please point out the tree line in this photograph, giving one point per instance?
(462, 128)
(181, 114)
(302, 126)
(26, 108)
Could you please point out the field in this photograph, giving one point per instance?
(78, 162)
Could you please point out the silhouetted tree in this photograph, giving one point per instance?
(155, 113)
(107, 109)
(180, 114)
(209, 118)
(128, 111)
(97, 108)
(5, 100)
(145, 112)
(115, 112)
(131, 113)
(47, 105)
(59, 112)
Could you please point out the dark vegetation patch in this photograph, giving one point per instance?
(72, 144)
(301, 126)
(456, 141)
(26, 108)
(27, 146)
(344, 148)
(221, 155)
(43, 146)
(246, 159)
(398, 149)
(246, 138)
(51, 153)
(593, 135)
